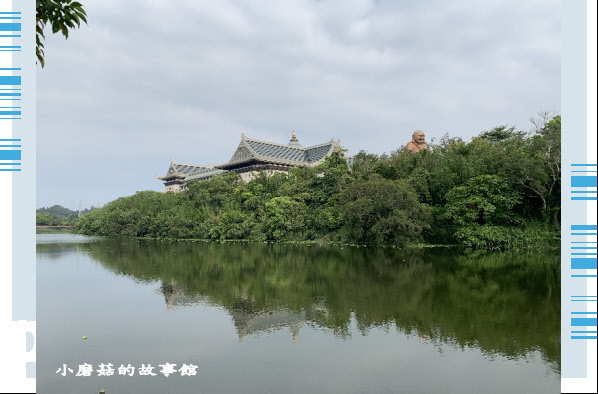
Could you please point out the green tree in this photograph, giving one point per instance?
(541, 173)
(500, 189)
(365, 164)
(61, 15)
(232, 225)
(483, 210)
(332, 177)
(378, 210)
(486, 199)
(500, 133)
(285, 218)
(43, 219)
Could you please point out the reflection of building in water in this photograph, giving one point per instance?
(248, 322)
(255, 323)
(175, 297)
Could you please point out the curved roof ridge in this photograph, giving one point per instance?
(214, 171)
(275, 143)
(323, 144)
(331, 142)
(188, 165)
(246, 145)
(242, 144)
(227, 163)
(172, 171)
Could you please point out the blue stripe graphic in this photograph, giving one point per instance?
(583, 181)
(10, 155)
(583, 264)
(584, 227)
(583, 321)
(10, 80)
(10, 27)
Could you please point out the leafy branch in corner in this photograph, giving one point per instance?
(61, 15)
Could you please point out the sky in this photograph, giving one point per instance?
(149, 81)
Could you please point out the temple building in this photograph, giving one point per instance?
(251, 157)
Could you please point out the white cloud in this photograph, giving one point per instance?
(153, 80)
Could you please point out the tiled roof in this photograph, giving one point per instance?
(208, 173)
(317, 153)
(294, 154)
(179, 170)
(250, 150)
(277, 151)
(189, 169)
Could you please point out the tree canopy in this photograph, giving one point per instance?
(60, 15)
(501, 189)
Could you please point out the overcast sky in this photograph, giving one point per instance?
(153, 80)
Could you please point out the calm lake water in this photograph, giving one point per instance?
(262, 318)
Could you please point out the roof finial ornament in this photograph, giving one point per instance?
(294, 141)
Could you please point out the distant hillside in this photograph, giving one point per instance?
(57, 210)
(58, 215)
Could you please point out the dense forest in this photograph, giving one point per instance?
(502, 189)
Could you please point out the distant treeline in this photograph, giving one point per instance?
(501, 189)
(57, 215)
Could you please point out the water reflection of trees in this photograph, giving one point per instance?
(506, 303)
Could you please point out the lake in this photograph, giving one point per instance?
(283, 318)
